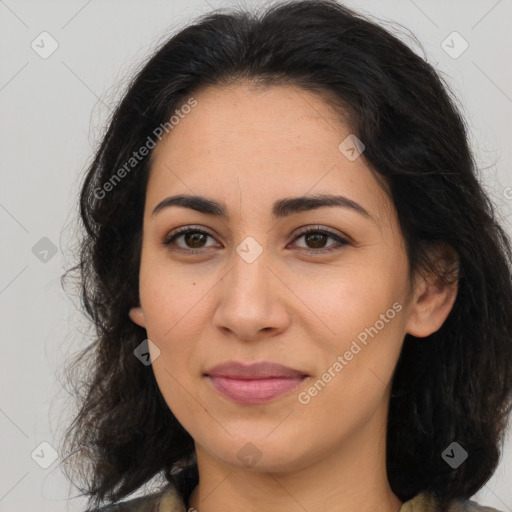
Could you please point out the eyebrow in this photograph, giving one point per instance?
(281, 208)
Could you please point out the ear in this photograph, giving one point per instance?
(137, 316)
(433, 298)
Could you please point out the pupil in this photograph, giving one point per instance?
(317, 239)
(194, 238)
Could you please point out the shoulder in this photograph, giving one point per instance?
(470, 506)
(166, 500)
(424, 502)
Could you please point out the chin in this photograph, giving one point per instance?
(259, 453)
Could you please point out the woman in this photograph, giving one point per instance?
(302, 297)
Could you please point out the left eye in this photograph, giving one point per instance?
(317, 238)
(196, 238)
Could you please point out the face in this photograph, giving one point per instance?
(321, 290)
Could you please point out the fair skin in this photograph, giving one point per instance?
(247, 148)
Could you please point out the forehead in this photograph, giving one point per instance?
(269, 115)
(275, 141)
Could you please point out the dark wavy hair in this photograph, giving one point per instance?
(454, 386)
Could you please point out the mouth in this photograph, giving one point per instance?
(255, 383)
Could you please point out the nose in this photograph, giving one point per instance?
(252, 301)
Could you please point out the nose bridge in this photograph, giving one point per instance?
(248, 279)
(248, 301)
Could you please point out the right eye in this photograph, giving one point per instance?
(193, 238)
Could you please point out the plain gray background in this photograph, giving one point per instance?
(53, 112)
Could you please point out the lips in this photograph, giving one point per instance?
(254, 383)
(263, 370)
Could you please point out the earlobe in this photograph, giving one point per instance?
(137, 316)
(432, 304)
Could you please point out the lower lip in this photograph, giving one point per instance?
(254, 391)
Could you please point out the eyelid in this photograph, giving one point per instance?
(339, 238)
(315, 228)
(184, 229)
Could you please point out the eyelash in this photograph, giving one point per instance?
(317, 230)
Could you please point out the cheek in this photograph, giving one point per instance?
(345, 302)
(177, 390)
(363, 324)
(171, 299)
(354, 377)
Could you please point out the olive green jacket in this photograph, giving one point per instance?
(174, 498)
(170, 500)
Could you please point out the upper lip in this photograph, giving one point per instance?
(260, 370)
